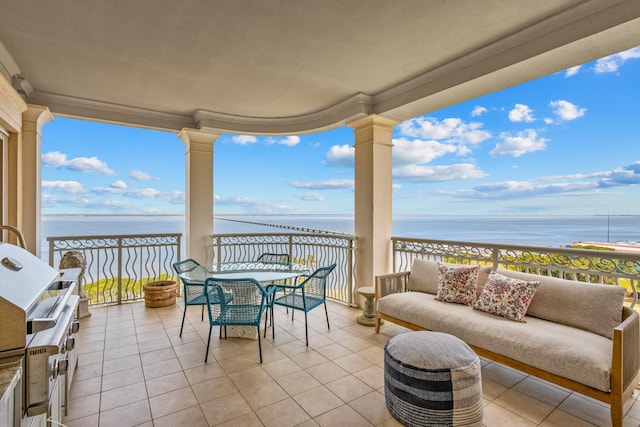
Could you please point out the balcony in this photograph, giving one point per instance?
(135, 370)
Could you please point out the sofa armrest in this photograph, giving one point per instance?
(394, 283)
(625, 352)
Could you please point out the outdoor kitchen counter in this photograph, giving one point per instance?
(9, 377)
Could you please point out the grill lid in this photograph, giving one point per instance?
(22, 291)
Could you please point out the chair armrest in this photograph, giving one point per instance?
(627, 336)
(393, 283)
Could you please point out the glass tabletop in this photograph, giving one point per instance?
(262, 272)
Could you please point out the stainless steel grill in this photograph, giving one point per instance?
(37, 324)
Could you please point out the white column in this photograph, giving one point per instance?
(29, 161)
(199, 192)
(373, 193)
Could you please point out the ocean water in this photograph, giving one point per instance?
(550, 231)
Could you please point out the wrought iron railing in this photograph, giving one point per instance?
(314, 250)
(585, 265)
(118, 265)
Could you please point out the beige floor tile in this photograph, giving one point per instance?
(225, 408)
(247, 420)
(157, 356)
(84, 388)
(250, 377)
(203, 373)
(286, 413)
(132, 414)
(349, 388)
(83, 407)
(166, 383)
(334, 351)
(491, 390)
(172, 401)
(90, 359)
(111, 366)
(297, 382)
(586, 409)
(88, 371)
(353, 362)
(116, 352)
(318, 401)
(281, 367)
(189, 417)
(121, 378)
(525, 406)
(502, 375)
(154, 345)
(343, 415)
(121, 341)
(560, 418)
(160, 369)
(90, 421)
(327, 372)
(497, 416)
(309, 358)
(373, 376)
(213, 389)
(264, 394)
(122, 396)
(542, 391)
(372, 407)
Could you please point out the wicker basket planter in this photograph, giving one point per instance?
(160, 294)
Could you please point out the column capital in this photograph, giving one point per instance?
(372, 120)
(195, 137)
(38, 114)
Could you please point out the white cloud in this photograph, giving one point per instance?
(452, 130)
(572, 71)
(478, 111)
(57, 159)
(523, 142)
(329, 184)
(141, 176)
(521, 113)
(252, 205)
(244, 139)
(396, 186)
(72, 187)
(310, 197)
(510, 190)
(289, 141)
(548, 120)
(341, 155)
(417, 173)
(119, 185)
(611, 63)
(407, 152)
(566, 111)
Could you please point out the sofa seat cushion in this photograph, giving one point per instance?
(572, 353)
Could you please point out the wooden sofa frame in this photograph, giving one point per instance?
(625, 361)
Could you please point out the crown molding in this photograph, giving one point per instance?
(356, 106)
(67, 106)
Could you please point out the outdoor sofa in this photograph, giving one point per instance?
(576, 335)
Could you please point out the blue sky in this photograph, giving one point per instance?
(564, 144)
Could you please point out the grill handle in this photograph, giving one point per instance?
(42, 323)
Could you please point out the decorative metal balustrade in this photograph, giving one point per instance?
(118, 265)
(313, 250)
(585, 265)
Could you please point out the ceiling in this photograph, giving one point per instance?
(292, 66)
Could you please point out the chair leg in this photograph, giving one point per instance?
(202, 314)
(184, 313)
(273, 325)
(259, 344)
(326, 313)
(206, 355)
(266, 318)
(306, 328)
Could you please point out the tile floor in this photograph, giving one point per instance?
(134, 370)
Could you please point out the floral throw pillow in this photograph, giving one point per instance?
(457, 284)
(506, 297)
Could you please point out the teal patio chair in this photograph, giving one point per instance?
(269, 258)
(244, 309)
(306, 296)
(193, 293)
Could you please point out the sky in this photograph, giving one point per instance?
(564, 144)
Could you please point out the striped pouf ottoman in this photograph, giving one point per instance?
(432, 379)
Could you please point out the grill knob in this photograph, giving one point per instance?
(63, 367)
(71, 343)
(75, 327)
(53, 369)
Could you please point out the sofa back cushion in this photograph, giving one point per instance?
(425, 276)
(592, 307)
